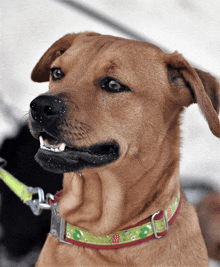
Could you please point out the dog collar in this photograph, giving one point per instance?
(154, 227)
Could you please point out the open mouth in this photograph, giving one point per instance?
(56, 156)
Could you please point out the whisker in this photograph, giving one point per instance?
(25, 115)
(86, 134)
(80, 134)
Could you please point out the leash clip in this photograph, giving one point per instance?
(154, 226)
(58, 225)
(37, 205)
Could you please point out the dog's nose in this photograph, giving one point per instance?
(45, 109)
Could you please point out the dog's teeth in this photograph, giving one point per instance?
(41, 141)
(44, 147)
(62, 147)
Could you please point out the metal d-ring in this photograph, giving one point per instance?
(37, 205)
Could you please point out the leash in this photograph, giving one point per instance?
(154, 227)
(24, 192)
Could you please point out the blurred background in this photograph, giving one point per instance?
(192, 27)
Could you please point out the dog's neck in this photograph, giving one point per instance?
(103, 202)
(102, 199)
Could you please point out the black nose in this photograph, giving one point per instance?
(47, 109)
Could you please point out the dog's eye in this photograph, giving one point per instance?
(110, 85)
(56, 74)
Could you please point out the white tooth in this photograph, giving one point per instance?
(62, 147)
(41, 141)
(52, 149)
(57, 149)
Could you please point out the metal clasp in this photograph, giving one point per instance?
(58, 225)
(154, 226)
(37, 205)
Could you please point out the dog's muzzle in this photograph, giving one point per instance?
(47, 116)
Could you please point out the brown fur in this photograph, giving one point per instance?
(209, 219)
(145, 122)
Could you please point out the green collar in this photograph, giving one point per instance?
(154, 227)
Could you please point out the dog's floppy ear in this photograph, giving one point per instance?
(204, 88)
(41, 71)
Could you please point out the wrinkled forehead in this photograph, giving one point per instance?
(108, 51)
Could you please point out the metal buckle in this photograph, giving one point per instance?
(37, 205)
(58, 225)
(154, 226)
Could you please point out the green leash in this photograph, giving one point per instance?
(17, 187)
(24, 192)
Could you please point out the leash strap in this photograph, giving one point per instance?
(24, 192)
(16, 186)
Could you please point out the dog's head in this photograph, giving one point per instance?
(111, 99)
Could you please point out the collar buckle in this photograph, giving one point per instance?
(58, 225)
(154, 226)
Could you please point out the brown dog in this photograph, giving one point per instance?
(110, 123)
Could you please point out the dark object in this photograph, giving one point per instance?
(22, 231)
(2, 162)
